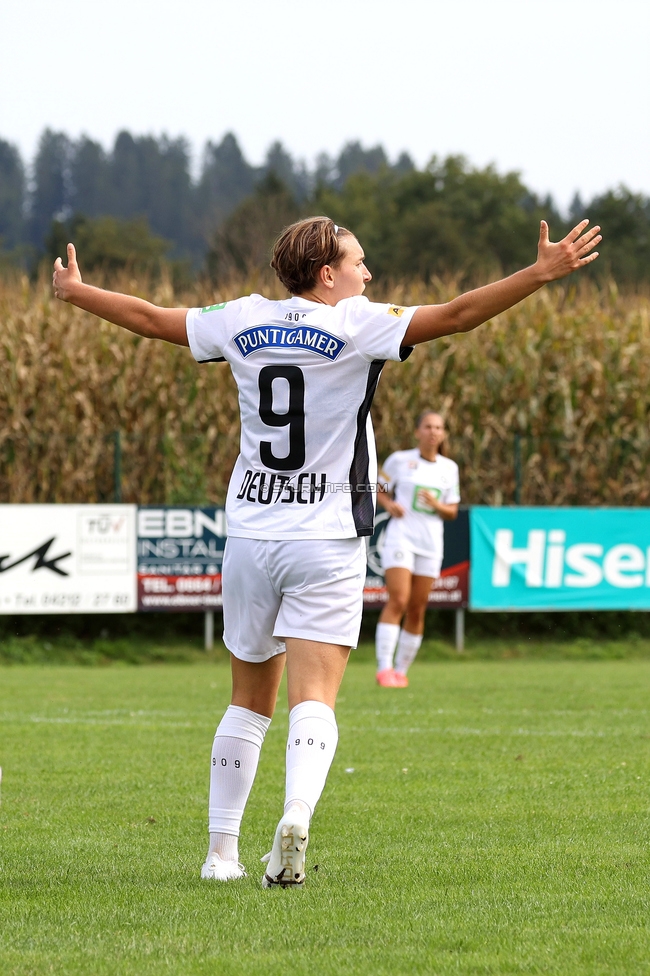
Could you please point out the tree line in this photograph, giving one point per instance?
(138, 203)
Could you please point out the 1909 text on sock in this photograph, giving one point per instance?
(310, 742)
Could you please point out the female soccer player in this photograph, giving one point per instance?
(301, 496)
(418, 489)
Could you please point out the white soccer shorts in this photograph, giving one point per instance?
(308, 588)
(397, 553)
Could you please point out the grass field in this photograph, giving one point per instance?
(492, 818)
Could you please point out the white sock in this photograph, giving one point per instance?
(235, 755)
(407, 649)
(313, 736)
(385, 643)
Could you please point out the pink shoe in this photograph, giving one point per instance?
(386, 678)
(400, 680)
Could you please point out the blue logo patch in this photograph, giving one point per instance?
(281, 337)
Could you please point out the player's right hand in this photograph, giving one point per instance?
(64, 279)
(576, 250)
(396, 510)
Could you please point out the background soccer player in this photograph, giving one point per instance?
(420, 491)
(300, 498)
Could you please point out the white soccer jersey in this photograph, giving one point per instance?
(405, 473)
(306, 375)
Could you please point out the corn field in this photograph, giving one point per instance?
(547, 404)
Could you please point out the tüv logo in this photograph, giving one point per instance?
(548, 562)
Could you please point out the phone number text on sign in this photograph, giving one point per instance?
(180, 553)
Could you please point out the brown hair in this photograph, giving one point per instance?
(305, 247)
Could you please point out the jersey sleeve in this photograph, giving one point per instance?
(387, 472)
(377, 329)
(451, 494)
(209, 329)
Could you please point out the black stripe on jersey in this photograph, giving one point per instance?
(362, 494)
(221, 359)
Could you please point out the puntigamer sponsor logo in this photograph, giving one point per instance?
(548, 562)
(279, 337)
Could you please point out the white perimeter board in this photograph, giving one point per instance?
(67, 559)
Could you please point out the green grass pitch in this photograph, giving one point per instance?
(490, 819)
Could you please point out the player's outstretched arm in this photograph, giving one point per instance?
(131, 313)
(466, 312)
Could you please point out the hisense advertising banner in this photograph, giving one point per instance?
(560, 558)
(67, 559)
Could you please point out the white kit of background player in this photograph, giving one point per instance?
(420, 532)
(424, 487)
(301, 495)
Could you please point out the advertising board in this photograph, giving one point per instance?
(119, 558)
(67, 559)
(560, 559)
(179, 557)
(450, 591)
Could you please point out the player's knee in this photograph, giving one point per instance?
(398, 603)
(259, 701)
(415, 616)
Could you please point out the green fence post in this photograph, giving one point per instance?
(117, 466)
(518, 474)
(460, 630)
(209, 630)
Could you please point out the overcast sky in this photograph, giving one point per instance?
(559, 90)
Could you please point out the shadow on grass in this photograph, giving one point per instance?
(104, 651)
(103, 639)
(509, 649)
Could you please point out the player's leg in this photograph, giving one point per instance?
(257, 662)
(398, 584)
(410, 637)
(321, 618)
(255, 684)
(314, 674)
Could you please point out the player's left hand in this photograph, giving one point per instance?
(575, 251)
(428, 498)
(64, 279)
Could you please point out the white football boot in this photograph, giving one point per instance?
(219, 870)
(286, 861)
